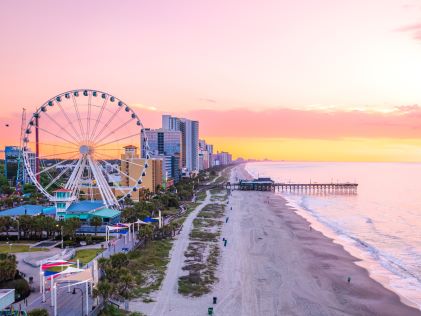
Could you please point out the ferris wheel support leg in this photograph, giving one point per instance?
(73, 175)
(76, 184)
(103, 186)
(99, 181)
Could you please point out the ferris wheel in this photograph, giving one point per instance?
(89, 143)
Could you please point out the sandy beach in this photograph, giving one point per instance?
(274, 264)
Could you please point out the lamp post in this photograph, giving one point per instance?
(17, 221)
(61, 233)
(81, 294)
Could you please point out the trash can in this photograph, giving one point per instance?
(210, 310)
(214, 299)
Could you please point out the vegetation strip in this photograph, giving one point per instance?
(202, 252)
(19, 248)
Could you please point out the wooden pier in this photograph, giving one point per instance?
(266, 184)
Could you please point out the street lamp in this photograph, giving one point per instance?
(81, 294)
(17, 221)
(61, 233)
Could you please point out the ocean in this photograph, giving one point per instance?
(381, 224)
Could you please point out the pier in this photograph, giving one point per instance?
(266, 184)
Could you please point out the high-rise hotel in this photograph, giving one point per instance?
(166, 145)
(190, 140)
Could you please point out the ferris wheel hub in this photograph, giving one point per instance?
(85, 150)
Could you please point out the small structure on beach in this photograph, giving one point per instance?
(259, 184)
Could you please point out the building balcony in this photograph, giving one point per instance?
(63, 199)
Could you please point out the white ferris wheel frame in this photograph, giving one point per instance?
(85, 157)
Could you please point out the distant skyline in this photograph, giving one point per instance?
(293, 80)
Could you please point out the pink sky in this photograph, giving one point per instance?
(309, 65)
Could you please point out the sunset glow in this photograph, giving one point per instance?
(295, 80)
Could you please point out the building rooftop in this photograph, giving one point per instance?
(85, 206)
(29, 209)
(106, 212)
(258, 181)
(7, 297)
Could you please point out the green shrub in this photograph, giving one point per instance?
(38, 312)
(20, 285)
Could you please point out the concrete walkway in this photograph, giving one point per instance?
(169, 287)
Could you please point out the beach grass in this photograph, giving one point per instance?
(170, 211)
(19, 248)
(149, 265)
(201, 196)
(202, 252)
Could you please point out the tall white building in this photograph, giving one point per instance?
(190, 139)
(204, 156)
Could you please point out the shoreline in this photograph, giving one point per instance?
(365, 258)
(344, 255)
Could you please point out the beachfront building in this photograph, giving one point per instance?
(29, 209)
(152, 178)
(190, 140)
(222, 159)
(259, 184)
(204, 155)
(66, 207)
(165, 145)
(84, 210)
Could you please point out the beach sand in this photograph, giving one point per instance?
(274, 264)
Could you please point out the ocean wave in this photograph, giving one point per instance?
(404, 277)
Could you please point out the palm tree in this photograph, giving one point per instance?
(146, 232)
(25, 225)
(96, 221)
(104, 289)
(8, 267)
(70, 226)
(50, 225)
(6, 222)
(125, 285)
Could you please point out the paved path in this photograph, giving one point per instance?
(169, 287)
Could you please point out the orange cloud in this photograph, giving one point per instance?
(294, 134)
(403, 122)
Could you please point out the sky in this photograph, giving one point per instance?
(321, 80)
